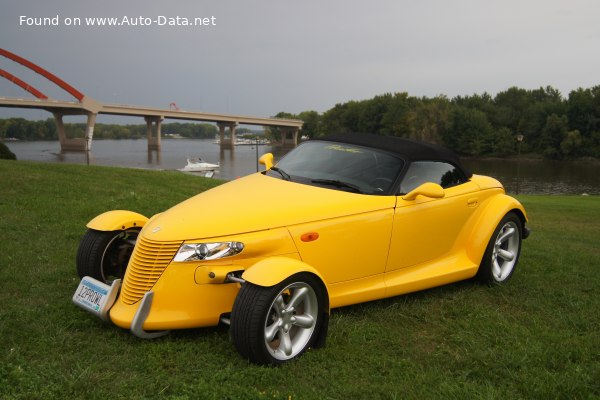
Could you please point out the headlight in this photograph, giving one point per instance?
(207, 251)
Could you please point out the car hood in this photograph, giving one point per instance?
(254, 203)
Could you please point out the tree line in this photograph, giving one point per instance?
(23, 129)
(478, 125)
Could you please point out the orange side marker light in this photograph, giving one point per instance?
(309, 237)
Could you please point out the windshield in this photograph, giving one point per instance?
(341, 166)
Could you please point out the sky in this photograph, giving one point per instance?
(265, 56)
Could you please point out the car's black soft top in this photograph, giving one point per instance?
(409, 150)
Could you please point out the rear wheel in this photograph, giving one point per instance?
(503, 250)
(105, 255)
(273, 325)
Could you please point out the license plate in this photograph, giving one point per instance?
(95, 296)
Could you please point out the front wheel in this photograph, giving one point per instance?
(503, 250)
(105, 255)
(272, 325)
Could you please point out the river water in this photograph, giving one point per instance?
(526, 176)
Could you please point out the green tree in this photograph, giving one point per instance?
(336, 120)
(312, 123)
(4, 124)
(399, 116)
(431, 119)
(510, 108)
(468, 131)
(545, 102)
(582, 112)
(371, 114)
(570, 146)
(501, 142)
(554, 132)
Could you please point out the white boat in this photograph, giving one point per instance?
(198, 165)
(251, 142)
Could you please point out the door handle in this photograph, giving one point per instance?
(473, 202)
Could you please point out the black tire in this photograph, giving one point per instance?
(105, 255)
(503, 250)
(267, 328)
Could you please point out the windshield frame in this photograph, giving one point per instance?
(381, 160)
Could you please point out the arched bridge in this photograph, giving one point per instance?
(85, 105)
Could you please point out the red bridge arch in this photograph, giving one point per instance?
(39, 70)
(23, 84)
(91, 108)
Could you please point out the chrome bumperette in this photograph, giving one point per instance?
(140, 317)
(115, 288)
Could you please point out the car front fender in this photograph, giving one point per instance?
(273, 270)
(494, 210)
(117, 220)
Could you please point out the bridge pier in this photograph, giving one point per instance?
(153, 134)
(75, 144)
(289, 137)
(230, 140)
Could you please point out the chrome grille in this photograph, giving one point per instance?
(148, 261)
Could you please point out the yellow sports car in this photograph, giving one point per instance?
(338, 221)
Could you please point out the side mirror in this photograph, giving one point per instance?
(428, 189)
(266, 160)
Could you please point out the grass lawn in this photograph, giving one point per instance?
(536, 337)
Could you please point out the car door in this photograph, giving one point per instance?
(348, 248)
(427, 229)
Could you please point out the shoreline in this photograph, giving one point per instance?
(523, 157)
